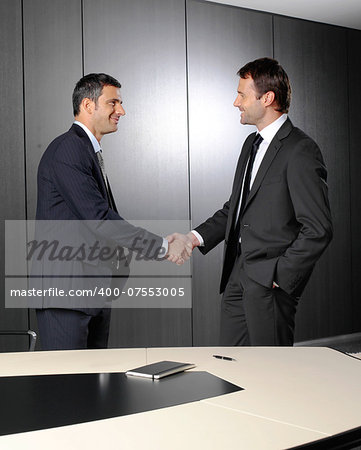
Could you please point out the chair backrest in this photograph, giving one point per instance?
(32, 336)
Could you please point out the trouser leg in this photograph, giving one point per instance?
(99, 329)
(67, 329)
(252, 314)
(233, 329)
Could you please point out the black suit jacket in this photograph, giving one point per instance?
(71, 189)
(286, 223)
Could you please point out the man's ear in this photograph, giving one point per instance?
(268, 98)
(87, 105)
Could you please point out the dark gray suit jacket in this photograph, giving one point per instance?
(71, 189)
(286, 223)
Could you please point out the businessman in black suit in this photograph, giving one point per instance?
(75, 207)
(277, 222)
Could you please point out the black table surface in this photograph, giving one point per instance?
(37, 402)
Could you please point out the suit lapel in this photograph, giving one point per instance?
(87, 142)
(82, 134)
(271, 152)
(266, 162)
(111, 199)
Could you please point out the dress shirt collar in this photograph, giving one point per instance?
(91, 136)
(270, 131)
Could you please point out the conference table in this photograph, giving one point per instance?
(292, 396)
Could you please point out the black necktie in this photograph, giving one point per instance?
(247, 180)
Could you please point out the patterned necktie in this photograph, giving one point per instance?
(102, 168)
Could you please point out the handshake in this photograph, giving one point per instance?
(180, 247)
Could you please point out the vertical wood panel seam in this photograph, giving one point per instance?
(82, 35)
(273, 36)
(24, 131)
(354, 328)
(188, 151)
(24, 119)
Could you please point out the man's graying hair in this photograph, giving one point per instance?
(91, 86)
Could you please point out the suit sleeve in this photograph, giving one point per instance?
(213, 230)
(307, 183)
(72, 171)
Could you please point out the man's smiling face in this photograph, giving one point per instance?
(107, 112)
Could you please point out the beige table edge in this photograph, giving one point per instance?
(114, 360)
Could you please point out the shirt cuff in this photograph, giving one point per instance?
(165, 247)
(199, 237)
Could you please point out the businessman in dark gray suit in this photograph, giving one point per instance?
(75, 206)
(277, 222)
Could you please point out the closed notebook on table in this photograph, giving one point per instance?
(160, 369)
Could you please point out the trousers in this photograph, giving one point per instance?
(255, 315)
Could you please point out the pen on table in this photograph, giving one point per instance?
(227, 358)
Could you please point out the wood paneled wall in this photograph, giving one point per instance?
(12, 168)
(315, 59)
(354, 97)
(175, 153)
(142, 43)
(220, 40)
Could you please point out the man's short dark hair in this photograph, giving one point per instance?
(91, 86)
(269, 75)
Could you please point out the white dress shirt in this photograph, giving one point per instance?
(91, 136)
